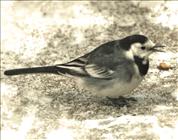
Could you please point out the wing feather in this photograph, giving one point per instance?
(98, 72)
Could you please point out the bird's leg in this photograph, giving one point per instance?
(121, 101)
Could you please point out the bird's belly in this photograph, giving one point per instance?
(114, 88)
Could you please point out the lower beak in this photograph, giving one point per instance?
(156, 48)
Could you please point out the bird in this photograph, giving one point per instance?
(113, 70)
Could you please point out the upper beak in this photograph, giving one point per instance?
(156, 48)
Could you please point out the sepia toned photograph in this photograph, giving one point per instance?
(89, 70)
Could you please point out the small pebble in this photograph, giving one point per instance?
(164, 66)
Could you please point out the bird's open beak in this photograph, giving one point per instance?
(156, 48)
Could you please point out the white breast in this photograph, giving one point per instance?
(112, 88)
(119, 88)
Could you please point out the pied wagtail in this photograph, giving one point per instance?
(112, 70)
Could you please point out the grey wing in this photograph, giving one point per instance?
(123, 70)
(81, 67)
(100, 63)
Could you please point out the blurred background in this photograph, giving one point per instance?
(53, 107)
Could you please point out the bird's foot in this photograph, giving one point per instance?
(121, 101)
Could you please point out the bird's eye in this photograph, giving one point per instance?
(143, 48)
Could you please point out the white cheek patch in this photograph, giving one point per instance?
(129, 54)
(135, 48)
(137, 51)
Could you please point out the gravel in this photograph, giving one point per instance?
(53, 107)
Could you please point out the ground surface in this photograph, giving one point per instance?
(53, 107)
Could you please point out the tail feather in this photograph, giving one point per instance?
(47, 69)
(62, 69)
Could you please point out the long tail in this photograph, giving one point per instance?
(62, 69)
(46, 69)
(73, 68)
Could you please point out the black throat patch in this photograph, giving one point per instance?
(142, 65)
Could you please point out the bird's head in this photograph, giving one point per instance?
(140, 46)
